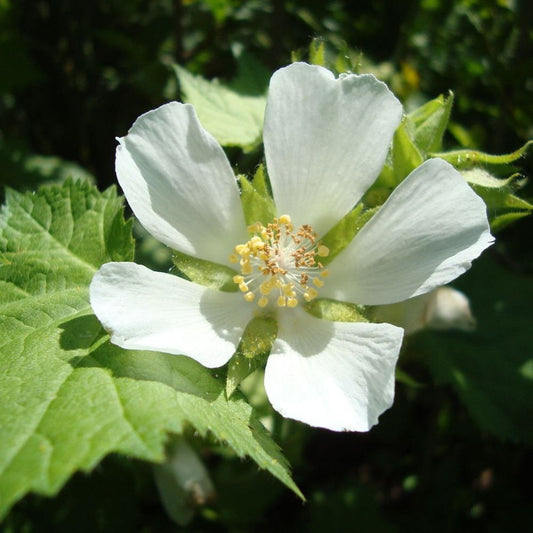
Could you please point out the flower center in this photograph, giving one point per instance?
(280, 264)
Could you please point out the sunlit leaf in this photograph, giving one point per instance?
(233, 119)
(69, 397)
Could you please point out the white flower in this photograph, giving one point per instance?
(325, 140)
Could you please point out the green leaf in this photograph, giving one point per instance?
(69, 397)
(232, 118)
(342, 234)
(205, 272)
(491, 369)
(252, 352)
(257, 204)
(463, 159)
(405, 154)
(430, 122)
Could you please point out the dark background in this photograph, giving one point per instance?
(76, 74)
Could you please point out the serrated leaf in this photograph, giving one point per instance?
(490, 368)
(233, 119)
(68, 396)
(257, 204)
(430, 122)
(204, 272)
(405, 154)
(463, 159)
(252, 352)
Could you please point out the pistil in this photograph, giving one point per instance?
(279, 264)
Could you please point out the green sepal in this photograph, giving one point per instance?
(317, 52)
(336, 311)
(257, 204)
(342, 234)
(430, 122)
(503, 207)
(204, 272)
(403, 377)
(463, 159)
(405, 154)
(261, 183)
(252, 352)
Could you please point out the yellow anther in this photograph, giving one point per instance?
(310, 294)
(256, 227)
(265, 288)
(292, 302)
(287, 289)
(242, 249)
(322, 251)
(246, 267)
(263, 301)
(249, 296)
(276, 257)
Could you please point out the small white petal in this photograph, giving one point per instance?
(326, 140)
(335, 375)
(426, 234)
(146, 310)
(179, 183)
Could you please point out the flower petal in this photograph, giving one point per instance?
(426, 234)
(325, 141)
(179, 183)
(335, 375)
(146, 310)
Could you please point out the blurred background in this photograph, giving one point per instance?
(453, 454)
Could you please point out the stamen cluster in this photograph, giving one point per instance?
(279, 264)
